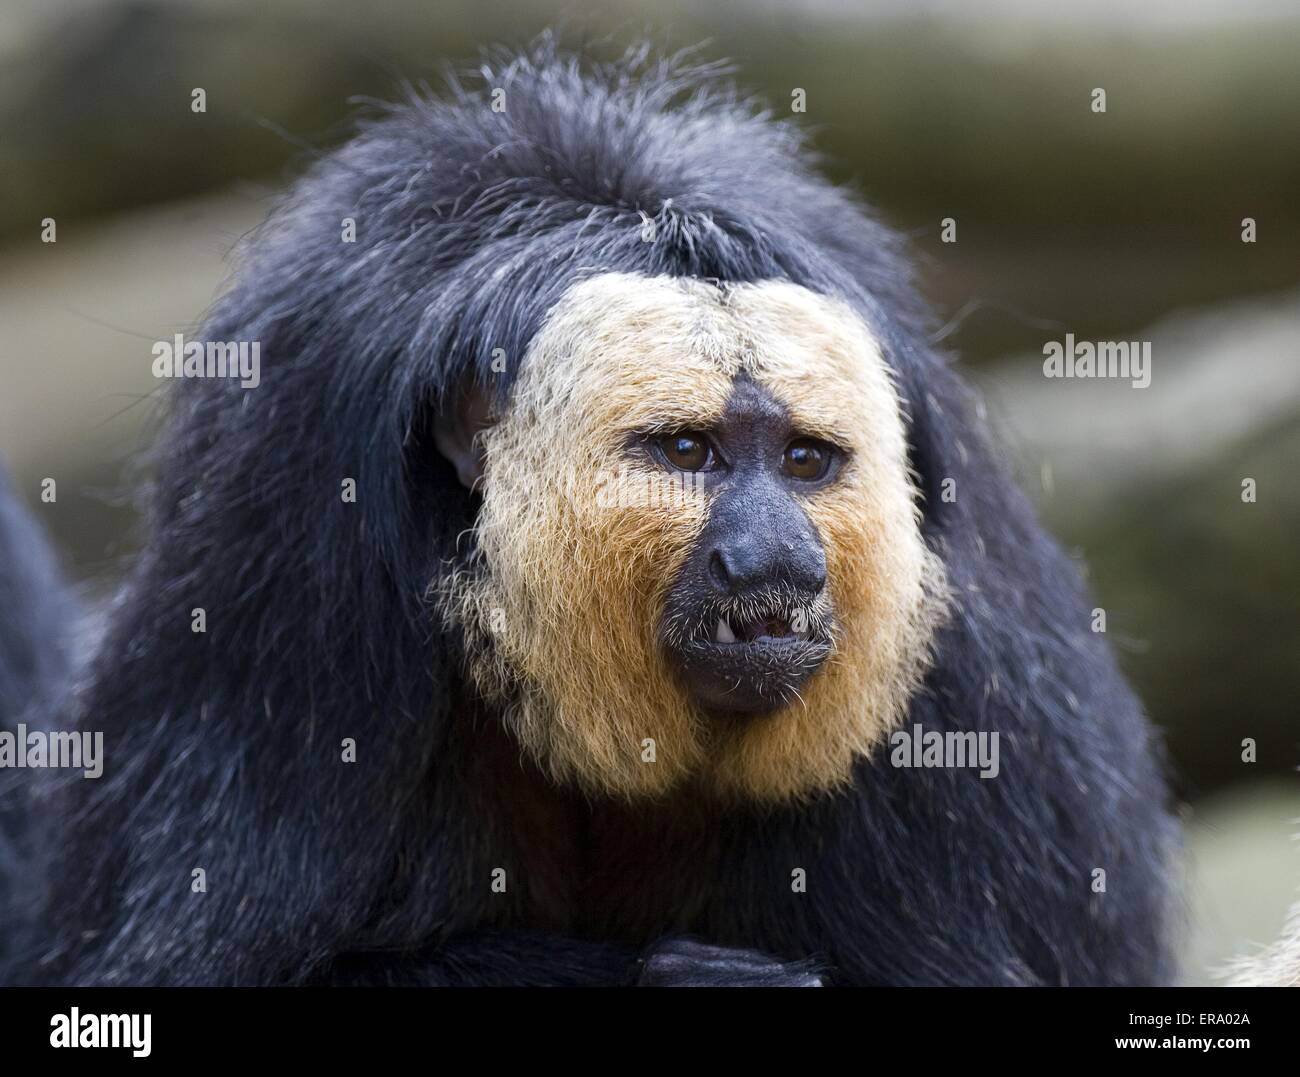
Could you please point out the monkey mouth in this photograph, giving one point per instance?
(747, 661)
(767, 629)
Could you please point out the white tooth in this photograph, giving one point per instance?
(724, 634)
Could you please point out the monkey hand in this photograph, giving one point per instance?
(677, 962)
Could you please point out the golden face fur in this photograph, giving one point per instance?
(563, 604)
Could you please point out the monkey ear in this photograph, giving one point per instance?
(456, 432)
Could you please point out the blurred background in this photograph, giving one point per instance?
(1122, 225)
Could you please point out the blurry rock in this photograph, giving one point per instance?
(79, 320)
(1243, 870)
(1201, 588)
(1278, 966)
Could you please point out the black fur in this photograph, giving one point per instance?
(37, 613)
(38, 618)
(222, 749)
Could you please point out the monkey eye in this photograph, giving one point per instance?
(686, 451)
(807, 459)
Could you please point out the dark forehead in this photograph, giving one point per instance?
(753, 409)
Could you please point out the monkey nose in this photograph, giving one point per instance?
(750, 562)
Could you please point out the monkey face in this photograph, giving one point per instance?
(749, 618)
(698, 557)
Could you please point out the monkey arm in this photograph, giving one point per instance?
(493, 958)
(681, 962)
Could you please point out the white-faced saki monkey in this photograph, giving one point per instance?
(604, 580)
